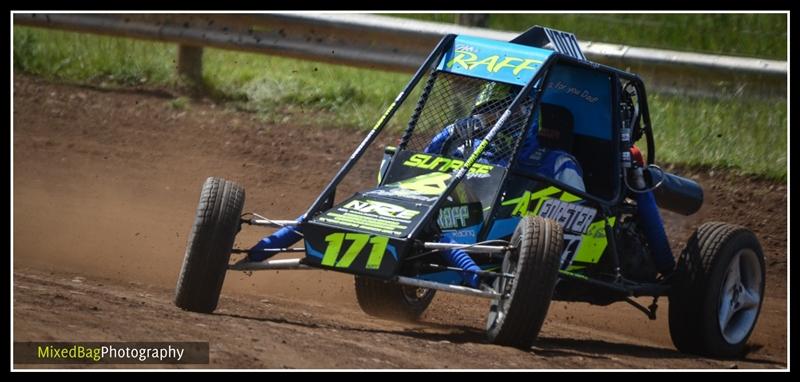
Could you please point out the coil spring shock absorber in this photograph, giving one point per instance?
(461, 259)
(281, 238)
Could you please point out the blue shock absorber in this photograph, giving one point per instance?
(654, 232)
(282, 238)
(461, 259)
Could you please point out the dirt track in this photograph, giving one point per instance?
(105, 187)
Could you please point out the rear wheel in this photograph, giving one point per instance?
(718, 291)
(390, 300)
(209, 248)
(516, 318)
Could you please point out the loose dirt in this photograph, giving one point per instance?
(105, 186)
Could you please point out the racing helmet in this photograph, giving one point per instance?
(493, 100)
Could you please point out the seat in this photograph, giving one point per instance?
(556, 128)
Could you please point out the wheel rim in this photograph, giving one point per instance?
(414, 295)
(499, 307)
(740, 296)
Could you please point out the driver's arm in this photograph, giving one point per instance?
(461, 129)
(437, 143)
(567, 170)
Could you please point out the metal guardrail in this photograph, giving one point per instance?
(380, 42)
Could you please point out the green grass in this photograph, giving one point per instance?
(275, 86)
(745, 134)
(742, 133)
(84, 58)
(740, 34)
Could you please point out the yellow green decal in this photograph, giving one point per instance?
(469, 60)
(587, 247)
(494, 60)
(593, 243)
(522, 203)
(359, 241)
(375, 207)
(385, 114)
(442, 164)
(478, 151)
(434, 183)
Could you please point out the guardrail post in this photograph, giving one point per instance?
(190, 65)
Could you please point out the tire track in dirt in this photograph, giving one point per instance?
(278, 332)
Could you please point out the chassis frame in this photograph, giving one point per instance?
(606, 207)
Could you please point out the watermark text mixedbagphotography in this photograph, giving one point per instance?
(111, 352)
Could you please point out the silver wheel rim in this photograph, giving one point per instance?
(499, 307)
(414, 295)
(740, 296)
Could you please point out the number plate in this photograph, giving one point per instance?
(361, 253)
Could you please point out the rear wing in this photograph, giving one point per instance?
(541, 37)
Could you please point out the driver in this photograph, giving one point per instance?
(538, 156)
(459, 140)
(462, 137)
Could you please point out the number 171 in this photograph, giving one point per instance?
(359, 241)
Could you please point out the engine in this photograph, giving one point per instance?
(635, 259)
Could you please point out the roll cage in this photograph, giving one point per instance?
(532, 89)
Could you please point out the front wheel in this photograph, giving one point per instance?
(516, 318)
(718, 291)
(209, 249)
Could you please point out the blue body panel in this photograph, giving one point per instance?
(466, 235)
(586, 94)
(445, 277)
(503, 228)
(494, 60)
(310, 251)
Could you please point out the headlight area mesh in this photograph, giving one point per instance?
(468, 107)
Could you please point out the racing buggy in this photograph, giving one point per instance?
(463, 205)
